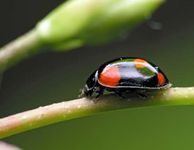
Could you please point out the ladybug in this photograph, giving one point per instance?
(125, 76)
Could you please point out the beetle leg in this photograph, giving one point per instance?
(120, 93)
(99, 92)
(141, 94)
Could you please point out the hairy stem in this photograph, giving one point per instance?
(77, 108)
(19, 49)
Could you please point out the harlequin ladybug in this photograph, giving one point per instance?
(125, 75)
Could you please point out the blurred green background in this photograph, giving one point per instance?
(166, 39)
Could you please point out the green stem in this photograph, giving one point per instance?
(95, 22)
(78, 108)
(19, 49)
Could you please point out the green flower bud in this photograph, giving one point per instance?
(79, 22)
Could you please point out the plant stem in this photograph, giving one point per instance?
(19, 49)
(95, 22)
(77, 108)
(6, 146)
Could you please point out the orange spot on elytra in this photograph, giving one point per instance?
(140, 63)
(110, 76)
(161, 79)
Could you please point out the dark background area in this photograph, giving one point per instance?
(54, 77)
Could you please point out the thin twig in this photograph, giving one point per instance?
(67, 110)
(19, 49)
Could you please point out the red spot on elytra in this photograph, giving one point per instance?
(140, 63)
(161, 79)
(110, 76)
